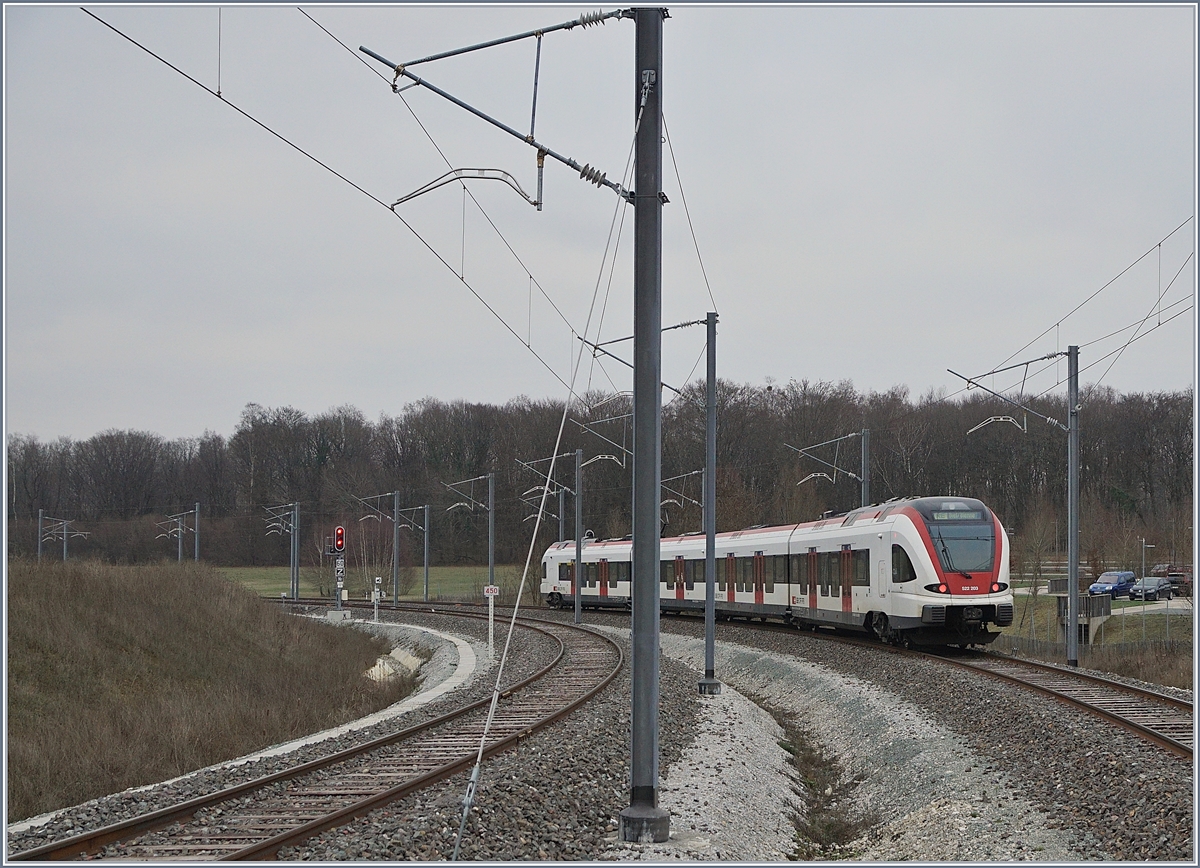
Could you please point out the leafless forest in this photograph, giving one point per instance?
(1136, 472)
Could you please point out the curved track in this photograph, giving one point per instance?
(1164, 720)
(1161, 719)
(255, 819)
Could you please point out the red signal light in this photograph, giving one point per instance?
(339, 538)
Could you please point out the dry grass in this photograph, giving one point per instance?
(120, 676)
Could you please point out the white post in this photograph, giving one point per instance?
(491, 626)
(376, 596)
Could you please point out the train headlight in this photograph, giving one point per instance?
(943, 588)
(997, 587)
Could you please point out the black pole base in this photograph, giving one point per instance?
(645, 824)
(709, 687)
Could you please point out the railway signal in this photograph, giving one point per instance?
(339, 539)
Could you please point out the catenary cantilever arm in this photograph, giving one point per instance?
(585, 172)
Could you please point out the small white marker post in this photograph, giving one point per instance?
(376, 596)
(491, 592)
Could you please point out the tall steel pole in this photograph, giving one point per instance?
(427, 553)
(578, 536)
(1072, 506)
(866, 467)
(562, 513)
(41, 516)
(709, 685)
(197, 532)
(643, 821)
(395, 547)
(65, 535)
(491, 528)
(179, 539)
(296, 550)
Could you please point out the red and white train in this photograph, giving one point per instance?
(924, 571)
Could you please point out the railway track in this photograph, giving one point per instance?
(1164, 720)
(254, 820)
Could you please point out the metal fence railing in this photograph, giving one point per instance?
(1043, 649)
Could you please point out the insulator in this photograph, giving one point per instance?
(594, 175)
(589, 18)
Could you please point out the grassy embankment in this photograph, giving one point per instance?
(120, 676)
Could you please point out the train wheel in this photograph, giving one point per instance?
(554, 601)
(879, 623)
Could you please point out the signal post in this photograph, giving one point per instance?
(339, 562)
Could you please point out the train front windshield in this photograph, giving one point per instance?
(962, 532)
(967, 548)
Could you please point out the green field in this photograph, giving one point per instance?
(445, 583)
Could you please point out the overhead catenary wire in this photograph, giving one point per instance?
(375, 71)
(688, 214)
(1097, 292)
(1149, 313)
(342, 177)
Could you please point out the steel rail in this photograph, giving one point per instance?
(90, 842)
(1097, 705)
(1179, 723)
(268, 848)
(1143, 692)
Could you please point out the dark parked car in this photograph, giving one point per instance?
(1115, 583)
(1151, 588)
(1181, 583)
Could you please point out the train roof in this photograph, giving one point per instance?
(926, 506)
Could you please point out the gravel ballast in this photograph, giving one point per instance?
(944, 766)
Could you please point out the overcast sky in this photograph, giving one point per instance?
(878, 194)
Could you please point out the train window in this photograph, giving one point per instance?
(698, 571)
(902, 566)
(829, 573)
(617, 572)
(565, 571)
(745, 575)
(776, 571)
(861, 568)
(800, 573)
(591, 575)
(666, 573)
(689, 574)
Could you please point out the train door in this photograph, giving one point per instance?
(882, 574)
(760, 567)
(812, 577)
(679, 568)
(730, 578)
(847, 570)
(602, 569)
